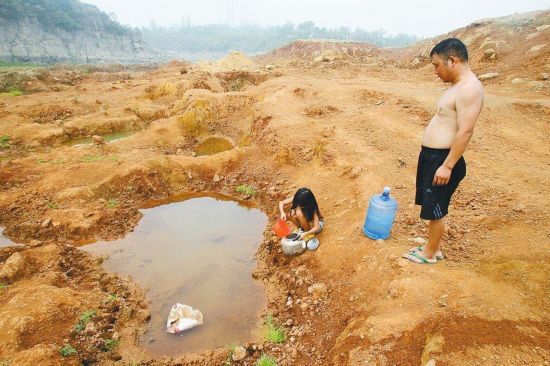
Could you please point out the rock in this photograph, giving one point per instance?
(193, 154)
(328, 132)
(520, 207)
(318, 291)
(420, 241)
(542, 28)
(430, 363)
(13, 267)
(489, 75)
(35, 243)
(410, 221)
(304, 306)
(544, 76)
(537, 47)
(216, 178)
(98, 140)
(179, 151)
(56, 223)
(517, 81)
(489, 53)
(355, 172)
(239, 353)
(46, 222)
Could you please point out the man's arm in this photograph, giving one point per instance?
(468, 107)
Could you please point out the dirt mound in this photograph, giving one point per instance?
(316, 48)
(513, 48)
(235, 61)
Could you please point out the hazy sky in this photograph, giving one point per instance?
(419, 17)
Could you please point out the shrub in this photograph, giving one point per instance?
(84, 319)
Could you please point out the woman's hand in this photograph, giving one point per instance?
(283, 216)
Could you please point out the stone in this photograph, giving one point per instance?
(517, 81)
(544, 76)
(318, 290)
(488, 53)
(355, 172)
(419, 241)
(216, 178)
(542, 28)
(487, 76)
(56, 223)
(98, 140)
(520, 207)
(537, 47)
(13, 267)
(35, 243)
(239, 353)
(46, 222)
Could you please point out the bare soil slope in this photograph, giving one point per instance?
(343, 128)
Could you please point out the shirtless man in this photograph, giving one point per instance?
(441, 166)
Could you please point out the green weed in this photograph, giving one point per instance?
(52, 205)
(3, 285)
(67, 350)
(228, 362)
(42, 161)
(84, 319)
(111, 298)
(110, 344)
(112, 203)
(15, 92)
(4, 363)
(246, 189)
(5, 142)
(91, 158)
(265, 360)
(274, 333)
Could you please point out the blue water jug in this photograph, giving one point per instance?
(380, 215)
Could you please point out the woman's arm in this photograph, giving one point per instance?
(282, 207)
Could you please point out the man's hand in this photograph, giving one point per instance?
(442, 176)
(283, 216)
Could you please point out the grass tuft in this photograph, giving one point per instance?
(84, 319)
(112, 203)
(274, 333)
(67, 350)
(246, 190)
(110, 344)
(5, 142)
(265, 360)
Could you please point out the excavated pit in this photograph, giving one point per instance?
(199, 252)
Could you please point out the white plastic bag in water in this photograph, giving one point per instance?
(182, 317)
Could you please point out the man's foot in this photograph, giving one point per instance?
(418, 257)
(438, 255)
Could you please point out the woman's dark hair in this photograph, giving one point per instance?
(305, 199)
(451, 47)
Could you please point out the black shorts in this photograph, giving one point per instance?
(435, 199)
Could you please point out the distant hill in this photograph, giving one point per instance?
(43, 31)
(514, 47)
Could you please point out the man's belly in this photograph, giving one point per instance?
(440, 133)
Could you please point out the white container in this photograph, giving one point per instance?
(292, 245)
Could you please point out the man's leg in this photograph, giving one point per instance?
(435, 233)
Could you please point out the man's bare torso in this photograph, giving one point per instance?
(441, 130)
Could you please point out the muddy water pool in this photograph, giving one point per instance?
(81, 141)
(198, 252)
(213, 145)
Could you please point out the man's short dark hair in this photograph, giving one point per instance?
(451, 47)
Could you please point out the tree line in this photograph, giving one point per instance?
(256, 39)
